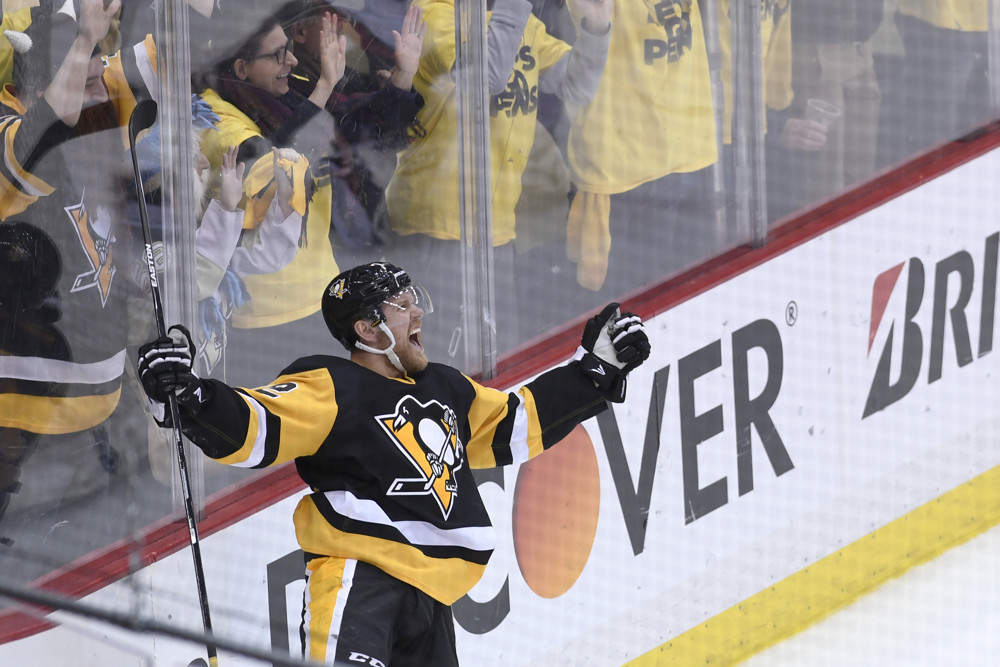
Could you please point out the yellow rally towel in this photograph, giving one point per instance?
(588, 237)
(259, 187)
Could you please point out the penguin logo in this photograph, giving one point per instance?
(337, 289)
(97, 240)
(427, 435)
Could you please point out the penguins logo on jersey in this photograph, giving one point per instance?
(427, 435)
(96, 239)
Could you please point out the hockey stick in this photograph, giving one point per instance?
(143, 117)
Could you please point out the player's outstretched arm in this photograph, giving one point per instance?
(249, 427)
(513, 427)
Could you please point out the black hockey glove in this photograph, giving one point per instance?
(164, 368)
(613, 344)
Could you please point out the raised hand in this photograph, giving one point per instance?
(95, 19)
(332, 60)
(409, 41)
(231, 184)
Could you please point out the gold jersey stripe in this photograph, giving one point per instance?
(52, 415)
(444, 579)
(34, 185)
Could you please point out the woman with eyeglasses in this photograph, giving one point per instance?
(247, 87)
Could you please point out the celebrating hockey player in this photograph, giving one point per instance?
(386, 442)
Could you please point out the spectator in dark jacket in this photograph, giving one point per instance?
(374, 109)
(831, 64)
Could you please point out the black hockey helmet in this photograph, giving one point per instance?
(30, 267)
(358, 294)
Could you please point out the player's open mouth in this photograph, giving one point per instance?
(415, 339)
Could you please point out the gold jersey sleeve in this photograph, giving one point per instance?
(19, 188)
(289, 418)
(509, 421)
(965, 15)
(140, 59)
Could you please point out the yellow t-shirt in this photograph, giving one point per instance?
(652, 114)
(423, 194)
(18, 21)
(296, 290)
(965, 15)
(776, 40)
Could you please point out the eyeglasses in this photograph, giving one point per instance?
(279, 55)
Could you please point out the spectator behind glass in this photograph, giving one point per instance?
(248, 89)
(373, 109)
(423, 194)
(787, 132)
(639, 152)
(17, 21)
(226, 253)
(137, 18)
(62, 296)
(790, 131)
(832, 63)
(945, 88)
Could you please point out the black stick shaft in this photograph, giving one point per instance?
(143, 116)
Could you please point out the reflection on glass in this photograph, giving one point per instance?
(317, 131)
(639, 155)
(423, 196)
(943, 69)
(904, 76)
(73, 444)
(316, 153)
(283, 145)
(836, 109)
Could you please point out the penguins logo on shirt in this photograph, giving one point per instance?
(427, 435)
(97, 240)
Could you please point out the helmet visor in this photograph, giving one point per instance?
(413, 295)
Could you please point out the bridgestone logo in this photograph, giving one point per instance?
(949, 290)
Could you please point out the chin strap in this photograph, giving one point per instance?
(389, 352)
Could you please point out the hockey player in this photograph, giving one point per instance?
(394, 530)
(62, 298)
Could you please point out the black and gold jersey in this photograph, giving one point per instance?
(62, 337)
(389, 461)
